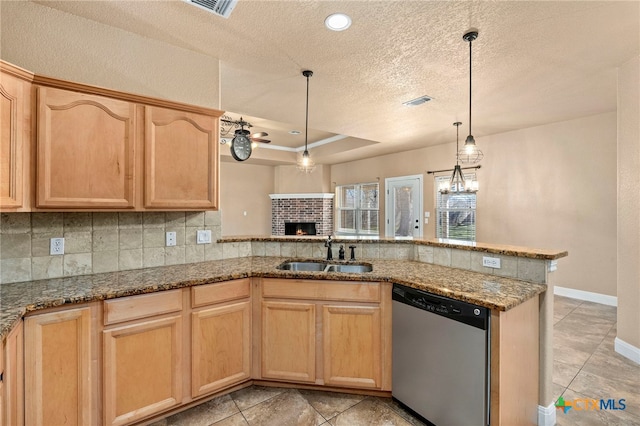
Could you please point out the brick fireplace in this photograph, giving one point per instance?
(302, 208)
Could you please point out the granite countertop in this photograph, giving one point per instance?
(507, 250)
(18, 299)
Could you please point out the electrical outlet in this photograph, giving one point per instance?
(171, 239)
(491, 262)
(56, 246)
(204, 237)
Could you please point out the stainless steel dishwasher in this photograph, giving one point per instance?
(440, 358)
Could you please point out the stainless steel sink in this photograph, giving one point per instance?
(302, 266)
(352, 268)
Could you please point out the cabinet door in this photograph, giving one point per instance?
(142, 369)
(58, 368)
(352, 349)
(289, 341)
(85, 151)
(221, 347)
(181, 160)
(13, 380)
(14, 132)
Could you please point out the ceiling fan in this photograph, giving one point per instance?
(243, 141)
(228, 124)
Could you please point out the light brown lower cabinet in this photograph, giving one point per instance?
(289, 341)
(142, 369)
(58, 375)
(13, 379)
(221, 347)
(326, 333)
(352, 346)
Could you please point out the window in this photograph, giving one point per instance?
(455, 213)
(357, 209)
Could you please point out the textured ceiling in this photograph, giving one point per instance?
(533, 63)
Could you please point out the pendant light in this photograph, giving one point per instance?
(305, 162)
(470, 153)
(457, 183)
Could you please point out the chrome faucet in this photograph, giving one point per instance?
(327, 244)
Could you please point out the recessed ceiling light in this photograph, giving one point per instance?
(294, 132)
(337, 22)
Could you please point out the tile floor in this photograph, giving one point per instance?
(585, 366)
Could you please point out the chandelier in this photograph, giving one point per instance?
(457, 183)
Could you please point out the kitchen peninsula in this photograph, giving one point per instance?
(239, 285)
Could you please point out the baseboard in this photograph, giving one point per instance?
(627, 350)
(547, 415)
(586, 295)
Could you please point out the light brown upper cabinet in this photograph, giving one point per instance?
(85, 151)
(15, 131)
(181, 160)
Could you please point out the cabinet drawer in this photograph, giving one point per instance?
(219, 292)
(143, 306)
(354, 291)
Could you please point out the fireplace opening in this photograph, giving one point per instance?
(300, 228)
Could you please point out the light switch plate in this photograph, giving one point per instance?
(491, 262)
(204, 236)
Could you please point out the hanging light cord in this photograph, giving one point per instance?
(306, 122)
(470, 79)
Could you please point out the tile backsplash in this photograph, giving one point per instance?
(101, 242)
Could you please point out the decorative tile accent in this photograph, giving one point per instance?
(46, 223)
(153, 219)
(130, 259)
(153, 237)
(174, 255)
(258, 248)
(105, 221)
(130, 239)
(442, 256)
(174, 219)
(194, 253)
(425, 254)
(194, 219)
(13, 246)
(77, 242)
(76, 264)
(76, 222)
(105, 240)
(129, 220)
(105, 261)
(15, 223)
(533, 270)
(460, 259)
(15, 270)
(46, 267)
(153, 256)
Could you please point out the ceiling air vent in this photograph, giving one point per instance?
(418, 101)
(219, 7)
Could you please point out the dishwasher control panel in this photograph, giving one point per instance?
(468, 313)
